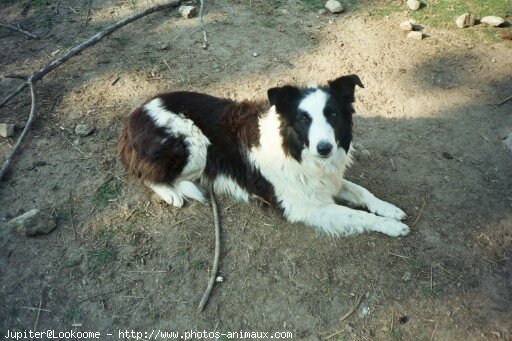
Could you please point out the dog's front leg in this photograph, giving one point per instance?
(359, 196)
(340, 220)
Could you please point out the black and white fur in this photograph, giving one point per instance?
(290, 152)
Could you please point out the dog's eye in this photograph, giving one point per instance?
(304, 118)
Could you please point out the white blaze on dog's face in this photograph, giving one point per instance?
(321, 139)
(318, 119)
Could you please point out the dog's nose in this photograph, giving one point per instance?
(324, 148)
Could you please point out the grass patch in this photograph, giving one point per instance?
(312, 5)
(108, 191)
(102, 256)
(198, 265)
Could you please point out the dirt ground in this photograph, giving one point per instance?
(120, 259)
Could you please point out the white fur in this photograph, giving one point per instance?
(320, 130)
(175, 194)
(226, 185)
(306, 190)
(179, 125)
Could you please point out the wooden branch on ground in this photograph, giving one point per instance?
(215, 267)
(504, 101)
(17, 146)
(201, 24)
(17, 29)
(39, 74)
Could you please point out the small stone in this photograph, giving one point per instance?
(492, 21)
(33, 223)
(84, 129)
(255, 54)
(413, 4)
(334, 6)
(6, 130)
(407, 26)
(219, 279)
(415, 35)
(465, 20)
(322, 11)
(165, 47)
(188, 12)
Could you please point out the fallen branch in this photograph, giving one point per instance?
(17, 146)
(504, 101)
(39, 74)
(215, 267)
(90, 42)
(17, 29)
(201, 24)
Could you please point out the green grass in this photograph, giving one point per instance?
(102, 256)
(442, 13)
(108, 191)
(312, 5)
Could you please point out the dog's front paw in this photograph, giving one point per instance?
(392, 228)
(387, 210)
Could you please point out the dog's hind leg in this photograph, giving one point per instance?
(359, 196)
(175, 194)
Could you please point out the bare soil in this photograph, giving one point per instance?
(120, 259)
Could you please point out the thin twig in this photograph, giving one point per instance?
(87, 18)
(504, 101)
(419, 214)
(16, 76)
(38, 313)
(17, 29)
(11, 96)
(359, 298)
(215, 267)
(201, 23)
(399, 256)
(26, 6)
(31, 117)
(434, 332)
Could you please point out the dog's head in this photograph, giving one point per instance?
(316, 119)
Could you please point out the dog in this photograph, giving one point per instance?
(290, 151)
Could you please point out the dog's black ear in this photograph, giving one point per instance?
(345, 86)
(278, 96)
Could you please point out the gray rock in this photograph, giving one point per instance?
(188, 12)
(334, 6)
(6, 130)
(492, 21)
(413, 4)
(84, 129)
(407, 26)
(415, 35)
(33, 223)
(360, 151)
(465, 20)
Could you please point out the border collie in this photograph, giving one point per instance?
(290, 152)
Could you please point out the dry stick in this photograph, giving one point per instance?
(16, 76)
(88, 13)
(24, 10)
(215, 267)
(11, 96)
(90, 42)
(38, 313)
(17, 29)
(17, 146)
(419, 214)
(57, 62)
(359, 298)
(201, 24)
(504, 101)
